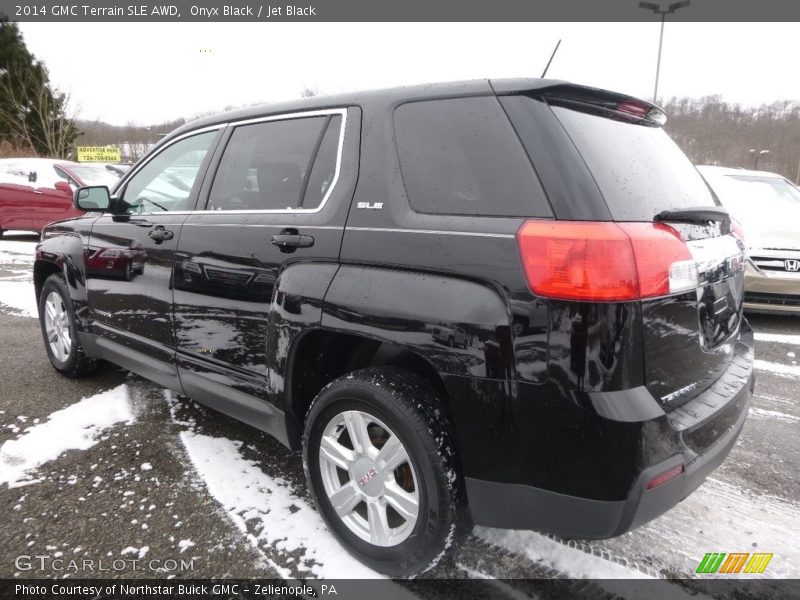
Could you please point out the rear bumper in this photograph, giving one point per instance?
(697, 436)
(516, 506)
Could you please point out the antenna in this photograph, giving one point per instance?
(558, 43)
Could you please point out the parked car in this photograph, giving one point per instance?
(449, 336)
(608, 366)
(38, 191)
(115, 258)
(768, 206)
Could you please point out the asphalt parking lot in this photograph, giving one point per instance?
(142, 482)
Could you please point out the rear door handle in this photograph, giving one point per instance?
(288, 242)
(159, 234)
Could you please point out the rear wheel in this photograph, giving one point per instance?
(59, 330)
(380, 461)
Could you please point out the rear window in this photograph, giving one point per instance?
(462, 157)
(640, 171)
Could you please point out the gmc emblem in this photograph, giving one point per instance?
(366, 478)
(792, 264)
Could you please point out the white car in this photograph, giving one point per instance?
(767, 206)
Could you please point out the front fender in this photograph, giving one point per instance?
(462, 327)
(63, 252)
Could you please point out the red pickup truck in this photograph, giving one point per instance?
(38, 191)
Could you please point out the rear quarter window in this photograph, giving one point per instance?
(640, 171)
(462, 157)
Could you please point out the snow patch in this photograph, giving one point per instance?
(76, 427)
(20, 297)
(185, 545)
(773, 415)
(717, 517)
(792, 371)
(781, 338)
(540, 549)
(290, 523)
(139, 552)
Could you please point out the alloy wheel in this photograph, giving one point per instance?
(57, 326)
(368, 478)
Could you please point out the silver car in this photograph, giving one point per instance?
(768, 207)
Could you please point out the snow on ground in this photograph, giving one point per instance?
(717, 517)
(76, 427)
(792, 371)
(17, 252)
(780, 338)
(290, 523)
(19, 296)
(540, 549)
(16, 284)
(761, 413)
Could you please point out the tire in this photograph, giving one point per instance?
(386, 403)
(451, 342)
(57, 320)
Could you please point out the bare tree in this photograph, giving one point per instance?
(35, 116)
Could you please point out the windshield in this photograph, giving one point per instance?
(640, 171)
(91, 175)
(741, 192)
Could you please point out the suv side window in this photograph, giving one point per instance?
(460, 156)
(165, 182)
(268, 165)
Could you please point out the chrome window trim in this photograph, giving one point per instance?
(433, 231)
(280, 117)
(337, 172)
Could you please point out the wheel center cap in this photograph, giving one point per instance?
(366, 475)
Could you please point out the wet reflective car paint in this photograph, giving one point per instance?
(225, 310)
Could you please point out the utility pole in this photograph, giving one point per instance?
(662, 12)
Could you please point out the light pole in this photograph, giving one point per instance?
(663, 12)
(757, 154)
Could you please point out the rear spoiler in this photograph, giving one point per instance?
(588, 99)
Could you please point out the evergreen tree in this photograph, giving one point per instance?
(32, 114)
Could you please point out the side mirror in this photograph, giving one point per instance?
(95, 198)
(63, 186)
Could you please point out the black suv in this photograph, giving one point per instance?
(514, 303)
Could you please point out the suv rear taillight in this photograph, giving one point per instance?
(604, 261)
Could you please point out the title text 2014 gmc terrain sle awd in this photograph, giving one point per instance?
(511, 303)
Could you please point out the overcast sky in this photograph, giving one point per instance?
(121, 72)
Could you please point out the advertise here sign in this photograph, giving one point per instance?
(109, 154)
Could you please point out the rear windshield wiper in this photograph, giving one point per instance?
(698, 214)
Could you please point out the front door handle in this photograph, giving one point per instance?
(290, 240)
(159, 234)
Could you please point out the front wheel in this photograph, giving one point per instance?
(381, 465)
(59, 330)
